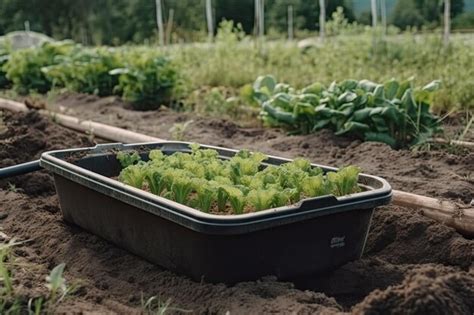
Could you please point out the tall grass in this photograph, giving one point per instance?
(234, 62)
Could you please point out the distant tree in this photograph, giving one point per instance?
(407, 14)
(422, 12)
(121, 21)
(240, 11)
(464, 21)
(306, 12)
(365, 18)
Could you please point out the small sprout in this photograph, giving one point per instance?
(128, 158)
(181, 189)
(314, 186)
(345, 180)
(261, 199)
(236, 199)
(156, 155)
(133, 175)
(178, 130)
(222, 197)
(56, 283)
(156, 181)
(205, 195)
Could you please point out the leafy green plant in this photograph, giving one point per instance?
(86, 70)
(56, 284)
(133, 175)
(4, 56)
(156, 306)
(395, 113)
(13, 302)
(23, 67)
(129, 158)
(147, 81)
(178, 130)
(237, 185)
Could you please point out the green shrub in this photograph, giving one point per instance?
(23, 67)
(147, 80)
(86, 71)
(4, 82)
(395, 113)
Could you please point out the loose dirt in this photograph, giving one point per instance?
(411, 264)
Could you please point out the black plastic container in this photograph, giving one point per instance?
(312, 236)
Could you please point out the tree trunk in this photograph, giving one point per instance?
(374, 13)
(159, 22)
(447, 21)
(210, 23)
(261, 27)
(322, 19)
(383, 13)
(290, 22)
(169, 26)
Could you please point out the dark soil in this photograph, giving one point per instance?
(411, 264)
(25, 137)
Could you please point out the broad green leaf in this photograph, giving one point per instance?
(379, 123)
(391, 113)
(362, 114)
(265, 81)
(347, 97)
(315, 88)
(367, 85)
(301, 109)
(353, 127)
(408, 103)
(348, 85)
(281, 100)
(278, 114)
(391, 87)
(379, 92)
(119, 71)
(313, 99)
(347, 109)
(320, 124)
(404, 86)
(380, 137)
(432, 86)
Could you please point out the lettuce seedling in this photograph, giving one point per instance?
(314, 186)
(345, 180)
(181, 189)
(156, 155)
(236, 199)
(156, 181)
(222, 197)
(127, 158)
(205, 195)
(261, 199)
(133, 175)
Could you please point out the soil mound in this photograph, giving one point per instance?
(25, 137)
(426, 290)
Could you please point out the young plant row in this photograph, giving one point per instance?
(241, 184)
(395, 113)
(144, 77)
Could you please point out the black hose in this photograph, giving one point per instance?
(20, 169)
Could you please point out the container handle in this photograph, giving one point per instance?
(318, 202)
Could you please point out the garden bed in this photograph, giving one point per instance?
(408, 260)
